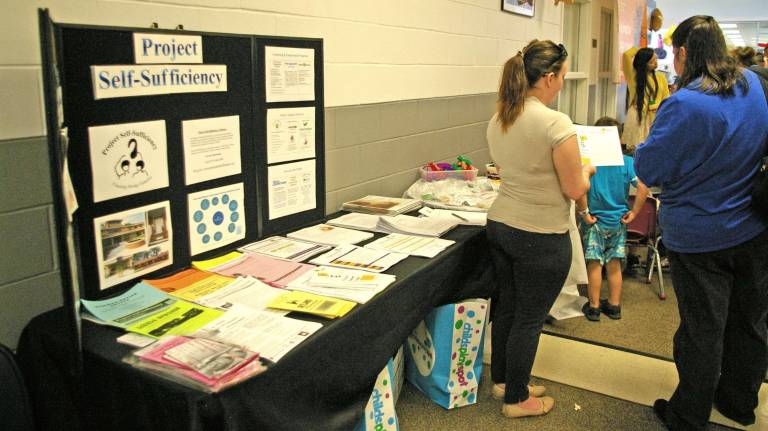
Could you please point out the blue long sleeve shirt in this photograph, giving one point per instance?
(703, 150)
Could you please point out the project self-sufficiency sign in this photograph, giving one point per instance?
(144, 80)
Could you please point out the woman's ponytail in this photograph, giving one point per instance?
(511, 91)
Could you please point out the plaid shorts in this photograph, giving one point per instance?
(604, 244)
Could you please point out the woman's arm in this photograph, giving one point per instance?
(573, 177)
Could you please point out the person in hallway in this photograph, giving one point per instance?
(650, 89)
(540, 167)
(605, 214)
(703, 151)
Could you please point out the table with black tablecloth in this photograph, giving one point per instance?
(323, 384)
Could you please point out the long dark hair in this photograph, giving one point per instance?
(706, 57)
(642, 85)
(521, 72)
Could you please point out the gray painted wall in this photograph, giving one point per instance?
(370, 149)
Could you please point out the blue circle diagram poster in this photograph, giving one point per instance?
(216, 218)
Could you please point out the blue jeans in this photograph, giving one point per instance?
(530, 269)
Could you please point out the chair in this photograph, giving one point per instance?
(642, 232)
(15, 410)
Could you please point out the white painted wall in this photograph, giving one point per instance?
(375, 51)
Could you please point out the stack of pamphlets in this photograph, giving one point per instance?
(413, 245)
(201, 363)
(275, 272)
(285, 248)
(382, 205)
(354, 257)
(349, 284)
(472, 218)
(330, 235)
(148, 311)
(202, 287)
(424, 226)
(317, 305)
(206, 265)
(369, 222)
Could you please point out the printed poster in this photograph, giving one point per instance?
(128, 158)
(290, 73)
(216, 217)
(211, 148)
(291, 188)
(291, 134)
(133, 243)
(600, 146)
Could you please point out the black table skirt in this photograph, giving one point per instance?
(323, 384)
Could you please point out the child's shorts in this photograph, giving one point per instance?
(604, 244)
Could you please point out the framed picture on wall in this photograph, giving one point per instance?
(520, 7)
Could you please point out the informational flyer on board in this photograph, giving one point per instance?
(211, 148)
(133, 243)
(600, 146)
(290, 73)
(127, 159)
(291, 188)
(216, 217)
(290, 134)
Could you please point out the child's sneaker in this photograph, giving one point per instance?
(610, 310)
(591, 313)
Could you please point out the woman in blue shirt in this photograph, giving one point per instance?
(703, 150)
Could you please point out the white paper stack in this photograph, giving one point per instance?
(349, 284)
(382, 205)
(330, 235)
(472, 218)
(413, 245)
(285, 248)
(354, 257)
(424, 226)
(357, 221)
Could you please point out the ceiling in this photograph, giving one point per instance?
(744, 22)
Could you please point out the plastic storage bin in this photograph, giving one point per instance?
(428, 175)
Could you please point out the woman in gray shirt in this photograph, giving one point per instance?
(540, 166)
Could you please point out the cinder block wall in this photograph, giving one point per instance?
(406, 82)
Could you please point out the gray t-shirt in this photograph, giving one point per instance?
(530, 198)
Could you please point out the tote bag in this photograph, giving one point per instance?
(444, 354)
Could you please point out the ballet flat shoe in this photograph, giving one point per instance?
(515, 411)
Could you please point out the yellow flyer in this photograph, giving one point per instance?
(203, 287)
(318, 305)
(206, 265)
(181, 318)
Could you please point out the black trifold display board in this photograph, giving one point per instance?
(76, 48)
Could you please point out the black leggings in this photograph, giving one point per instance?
(530, 270)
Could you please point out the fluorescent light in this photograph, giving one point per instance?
(731, 32)
(728, 25)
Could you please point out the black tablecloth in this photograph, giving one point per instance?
(323, 384)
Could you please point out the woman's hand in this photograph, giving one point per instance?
(589, 169)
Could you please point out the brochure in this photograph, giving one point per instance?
(382, 205)
(318, 305)
(330, 235)
(354, 257)
(411, 244)
(285, 248)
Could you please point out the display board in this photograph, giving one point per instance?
(165, 135)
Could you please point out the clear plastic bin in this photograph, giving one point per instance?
(428, 175)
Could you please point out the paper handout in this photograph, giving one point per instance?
(318, 305)
(600, 146)
(354, 257)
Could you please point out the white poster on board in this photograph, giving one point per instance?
(216, 217)
(599, 145)
(290, 73)
(291, 188)
(127, 159)
(290, 134)
(211, 148)
(132, 243)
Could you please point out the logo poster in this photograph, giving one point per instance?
(128, 158)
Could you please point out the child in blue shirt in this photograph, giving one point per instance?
(605, 214)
